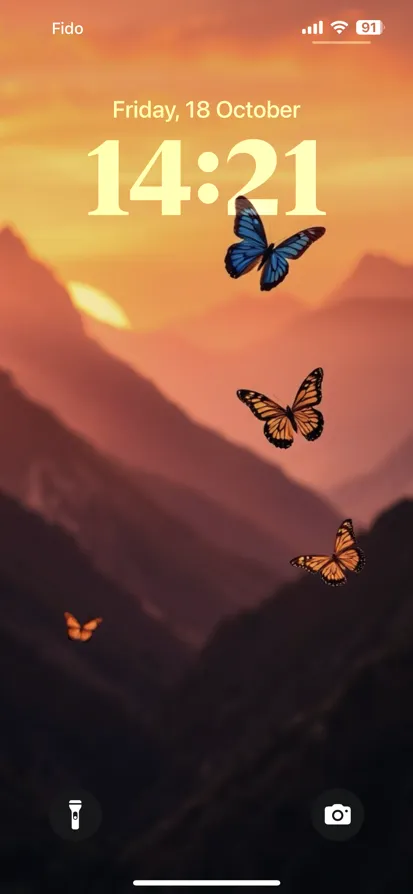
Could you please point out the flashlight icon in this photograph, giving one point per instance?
(75, 808)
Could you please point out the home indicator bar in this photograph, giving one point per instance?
(141, 883)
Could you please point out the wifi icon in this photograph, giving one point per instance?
(339, 26)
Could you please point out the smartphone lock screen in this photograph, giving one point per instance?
(206, 446)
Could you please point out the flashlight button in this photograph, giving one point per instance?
(75, 815)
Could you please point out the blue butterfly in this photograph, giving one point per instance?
(243, 256)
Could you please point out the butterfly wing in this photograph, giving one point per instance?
(327, 566)
(73, 626)
(310, 422)
(295, 246)
(276, 267)
(88, 629)
(279, 432)
(243, 256)
(277, 429)
(274, 271)
(333, 574)
(248, 224)
(309, 393)
(349, 555)
(240, 258)
(313, 564)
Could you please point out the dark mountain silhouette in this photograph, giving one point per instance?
(390, 481)
(43, 574)
(176, 573)
(255, 823)
(286, 651)
(126, 415)
(73, 714)
(218, 525)
(310, 692)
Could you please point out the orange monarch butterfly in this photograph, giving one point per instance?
(78, 631)
(347, 556)
(281, 424)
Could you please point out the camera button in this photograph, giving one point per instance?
(337, 814)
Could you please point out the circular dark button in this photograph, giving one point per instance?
(75, 814)
(337, 814)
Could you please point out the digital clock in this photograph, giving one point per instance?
(171, 193)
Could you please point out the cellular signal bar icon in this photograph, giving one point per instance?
(317, 28)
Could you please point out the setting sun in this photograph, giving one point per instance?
(98, 305)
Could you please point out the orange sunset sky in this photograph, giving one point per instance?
(57, 96)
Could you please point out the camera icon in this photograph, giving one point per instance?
(337, 815)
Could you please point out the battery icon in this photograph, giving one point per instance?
(369, 26)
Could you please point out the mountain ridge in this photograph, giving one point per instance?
(376, 276)
(366, 319)
(76, 714)
(174, 572)
(40, 557)
(127, 416)
(390, 480)
(322, 710)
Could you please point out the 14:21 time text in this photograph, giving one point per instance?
(171, 193)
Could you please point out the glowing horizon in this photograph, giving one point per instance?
(96, 304)
(57, 107)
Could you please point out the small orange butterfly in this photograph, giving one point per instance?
(347, 556)
(282, 423)
(78, 631)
